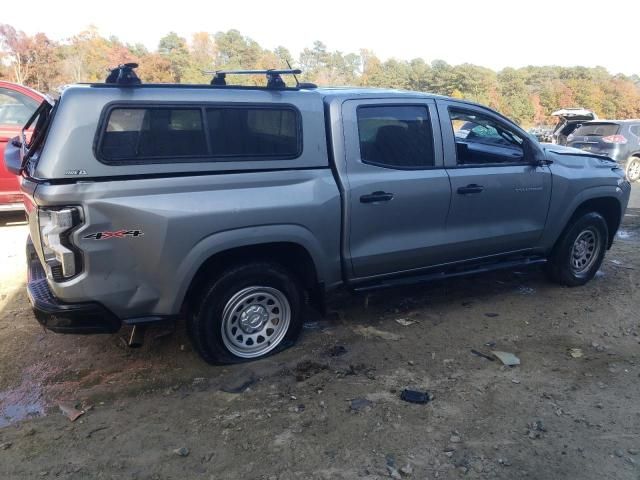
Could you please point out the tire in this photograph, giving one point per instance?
(632, 169)
(580, 250)
(248, 312)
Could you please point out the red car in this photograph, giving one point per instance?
(17, 104)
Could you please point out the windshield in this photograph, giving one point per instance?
(596, 130)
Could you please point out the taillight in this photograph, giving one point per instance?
(62, 259)
(615, 139)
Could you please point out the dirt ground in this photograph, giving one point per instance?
(330, 407)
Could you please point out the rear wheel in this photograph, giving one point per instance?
(633, 169)
(579, 252)
(246, 313)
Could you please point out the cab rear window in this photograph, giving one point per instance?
(141, 134)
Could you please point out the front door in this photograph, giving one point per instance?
(500, 198)
(398, 190)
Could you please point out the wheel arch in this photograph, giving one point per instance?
(298, 253)
(607, 206)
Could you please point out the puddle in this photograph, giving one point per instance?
(24, 401)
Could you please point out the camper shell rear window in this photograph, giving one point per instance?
(150, 133)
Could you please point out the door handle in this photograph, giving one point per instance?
(376, 197)
(472, 188)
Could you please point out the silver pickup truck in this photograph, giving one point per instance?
(238, 207)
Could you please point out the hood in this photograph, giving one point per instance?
(574, 156)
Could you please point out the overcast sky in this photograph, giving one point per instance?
(490, 33)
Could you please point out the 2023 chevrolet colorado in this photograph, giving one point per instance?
(237, 206)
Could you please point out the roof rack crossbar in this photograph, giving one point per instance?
(289, 71)
(274, 80)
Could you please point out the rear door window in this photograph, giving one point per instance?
(396, 136)
(199, 132)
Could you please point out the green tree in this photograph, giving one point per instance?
(174, 49)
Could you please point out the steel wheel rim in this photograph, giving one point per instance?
(633, 172)
(254, 321)
(585, 250)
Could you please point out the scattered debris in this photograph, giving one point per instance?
(535, 429)
(524, 290)
(96, 430)
(182, 452)
(508, 359)
(337, 351)
(618, 453)
(5, 445)
(455, 438)
(361, 368)
(239, 384)
(360, 404)
(483, 355)
(407, 469)
(633, 451)
(490, 344)
(70, 411)
(516, 381)
(393, 472)
(404, 322)
(307, 369)
(491, 314)
(391, 467)
(619, 264)
(576, 353)
(414, 396)
(374, 332)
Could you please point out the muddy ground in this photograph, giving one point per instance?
(330, 407)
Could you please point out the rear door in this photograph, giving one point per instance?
(15, 110)
(499, 197)
(398, 190)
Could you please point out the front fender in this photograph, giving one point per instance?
(564, 207)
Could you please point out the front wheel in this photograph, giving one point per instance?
(580, 250)
(633, 169)
(246, 313)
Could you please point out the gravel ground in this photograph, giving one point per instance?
(330, 407)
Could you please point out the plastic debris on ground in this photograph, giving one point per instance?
(507, 358)
(576, 353)
(415, 396)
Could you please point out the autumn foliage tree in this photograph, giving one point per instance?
(528, 95)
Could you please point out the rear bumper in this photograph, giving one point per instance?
(59, 316)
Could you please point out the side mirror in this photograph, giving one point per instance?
(13, 156)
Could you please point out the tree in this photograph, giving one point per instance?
(528, 95)
(174, 50)
(17, 47)
(515, 96)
